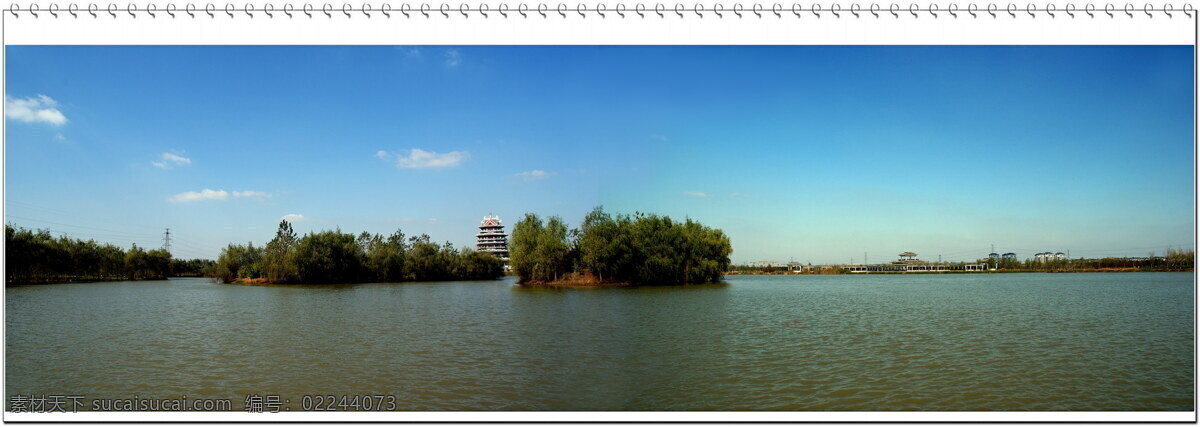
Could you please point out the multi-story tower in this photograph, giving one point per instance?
(491, 237)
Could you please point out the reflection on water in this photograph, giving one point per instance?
(916, 342)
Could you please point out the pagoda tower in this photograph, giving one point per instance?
(491, 237)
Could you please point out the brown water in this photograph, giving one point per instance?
(896, 342)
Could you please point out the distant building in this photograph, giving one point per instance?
(994, 256)
(1009, 255)
(492, 239)
(1050, 256)
(907, 258)
(900, 266)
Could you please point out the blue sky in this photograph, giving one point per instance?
(817, 154)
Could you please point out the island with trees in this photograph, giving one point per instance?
(617, 250)
(332, 256)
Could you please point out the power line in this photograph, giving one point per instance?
(79, 226)
(77, 218)
(175, 243)
(168, 240)
(109, 241)
(106, 240)
(181, 242)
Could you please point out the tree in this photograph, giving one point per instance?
(237, 261)
(137, 263)
(642, 249)
(478, 265)
(596, 237)
(329, 257)
(386, 257)
(422, 261)
(523, 256)
(553, 249)
(278, 265)
(191, 267)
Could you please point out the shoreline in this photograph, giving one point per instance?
(592, 283)
(574, 280)
(1098, 270)
(92, 280)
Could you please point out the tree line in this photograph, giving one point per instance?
(337, 257)
(1173, 260)
(640, 249)
(36, 256)
(191, 267)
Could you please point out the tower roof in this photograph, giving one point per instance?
(490, 220)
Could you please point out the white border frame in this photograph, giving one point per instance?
(132, 25)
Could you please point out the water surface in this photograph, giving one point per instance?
(875, 342)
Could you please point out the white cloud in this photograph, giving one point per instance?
(177, 159)
(205, 194)
(41, 109)
(658, 137)
(535, 175)
(696, 194)
(418, 158)
(453, 58)
(293, 218)
(249, 193)
(169, 160)
(410, 51)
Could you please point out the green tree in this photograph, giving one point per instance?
(278, 265)
(238, 261)
(640, 249)
(34, 256)
(523, 254)
(478, 265)
(553, 249)
(424, 262)
(137, 264)
(385, 258)
(191, 267)
(329, 257)
(596, 243)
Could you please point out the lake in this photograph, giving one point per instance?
(1116, 341)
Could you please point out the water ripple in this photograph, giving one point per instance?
(955, 342)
